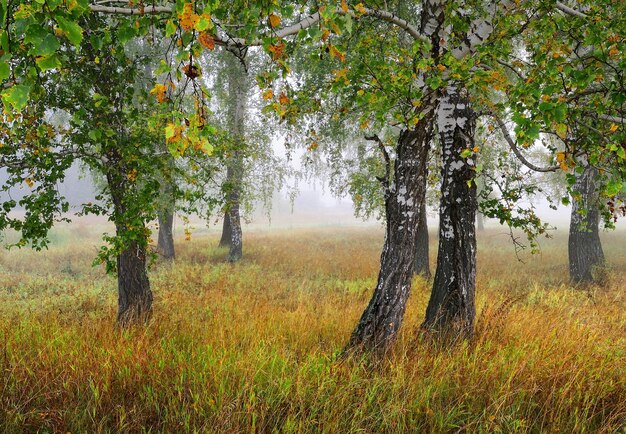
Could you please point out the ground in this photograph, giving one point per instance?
(253, 347)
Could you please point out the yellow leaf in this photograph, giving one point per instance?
(340, 73)
(360, 8)
(336, 54)
(560, 157)
(159, 92)
(441, 67)
(344, 6)
(268, 94)
(283, 98)
(475, 149)
(207, 41)
(274, 20)
(561, 130)
(188, 18)
(614, 128)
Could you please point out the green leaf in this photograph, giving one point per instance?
(46, 46)
(5, 70)
(4, 41)
(71, 29)
(16, 96)
(125, 33)
(170, 28)
(48, 62)
(202, 24)
(163, 68)
(613, 187)
(34, 33)
(561, 130)
(533, 132)
(3, 12)
(95, 135)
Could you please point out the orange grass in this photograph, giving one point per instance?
(251, 347)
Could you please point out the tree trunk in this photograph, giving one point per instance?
(480, 221)
(236, 237)
(381, 320)
(383, 317)
(451, 307)
(165, 244)
(226, 231)
(422, 266)
(135, 296)
(238, 91)
(584, 245)
(133, 286)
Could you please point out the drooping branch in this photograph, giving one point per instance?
(513, 145)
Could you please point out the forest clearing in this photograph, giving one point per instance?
(131, 132)
(253, 347)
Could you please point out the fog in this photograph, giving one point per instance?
(313, 205)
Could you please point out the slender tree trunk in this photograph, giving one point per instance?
(383, 317)
(584, 245)
(226, 231)
(166, 233)
(422, 266)
(236, 236)
(451, 307)
(480, 221)
(238, 91)
(165, 244)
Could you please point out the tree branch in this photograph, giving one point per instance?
(293, 29)
(513, 145)
(615, 119)
(150, 10)
(569, 11)
(381, 146)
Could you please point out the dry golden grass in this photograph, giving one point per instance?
(251, 347)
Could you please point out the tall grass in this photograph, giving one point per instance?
(252, 347)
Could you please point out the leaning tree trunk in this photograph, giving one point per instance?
(225, 240)
(451, 308)
(584, 245)
(383, 317)
(381, 320)
(422, 266)
(165, 244)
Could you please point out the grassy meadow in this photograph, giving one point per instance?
(252, 347)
